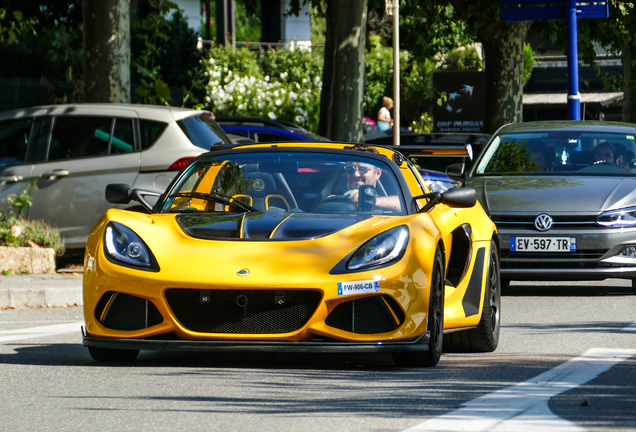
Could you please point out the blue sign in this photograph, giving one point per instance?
(534, 10)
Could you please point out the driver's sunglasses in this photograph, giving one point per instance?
(362, 169)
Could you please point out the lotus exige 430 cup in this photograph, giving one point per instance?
(294, 247)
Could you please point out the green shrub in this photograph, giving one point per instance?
(238, 85)
(16, 231)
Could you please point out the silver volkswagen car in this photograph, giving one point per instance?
(563, 197)
(71, 152)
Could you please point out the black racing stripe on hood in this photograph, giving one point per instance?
(260, 225)
(306, 225)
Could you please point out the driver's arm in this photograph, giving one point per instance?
(385, 202)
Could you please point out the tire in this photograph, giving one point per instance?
(485, 337)
(634, 286)
(110, 355)
(430, 357)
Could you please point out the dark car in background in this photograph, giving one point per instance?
(266, 130)
(563, 197)
(71, 152)
(432, 169)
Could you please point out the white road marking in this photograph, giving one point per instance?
(524, 407)
(37, 332)
(631, 327)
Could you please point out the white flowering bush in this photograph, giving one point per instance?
(285, 85)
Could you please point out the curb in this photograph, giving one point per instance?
(41, 290)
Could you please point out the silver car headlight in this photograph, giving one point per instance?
(124, 246)
(381, 249)
(622, 218)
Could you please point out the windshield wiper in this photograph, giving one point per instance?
(217, 197)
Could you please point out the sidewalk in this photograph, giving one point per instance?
(60, 289)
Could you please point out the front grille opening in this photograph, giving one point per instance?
(243, 311)
(119, 311)
(368, 315)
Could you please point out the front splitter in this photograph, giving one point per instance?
(421, 344)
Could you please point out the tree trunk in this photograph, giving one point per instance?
(341, 100)
(629, 74)
(503, 50)
(106, 46)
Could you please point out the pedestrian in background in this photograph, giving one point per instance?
(384, 115)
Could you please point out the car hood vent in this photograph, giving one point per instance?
(275, 225)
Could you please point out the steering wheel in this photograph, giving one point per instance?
(336, 204)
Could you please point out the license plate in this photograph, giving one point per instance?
(542, 244)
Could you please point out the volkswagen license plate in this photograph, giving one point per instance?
(542, 244)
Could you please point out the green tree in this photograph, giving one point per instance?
(11, 29)
(341, 110)
(106, 48)
(503, 44)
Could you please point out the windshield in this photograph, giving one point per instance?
(288, 182)
(203, 131)
(558, 153)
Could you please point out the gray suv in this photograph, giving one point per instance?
(72, 152)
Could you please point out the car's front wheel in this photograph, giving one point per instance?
(431, 356)
(111, 355)
(485, 337)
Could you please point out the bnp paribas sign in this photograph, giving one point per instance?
(464, 110)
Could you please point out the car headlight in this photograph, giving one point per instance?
(382, 249)
(622, 218)
(123, 245)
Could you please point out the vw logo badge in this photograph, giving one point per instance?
(543, 222)
(242, 272)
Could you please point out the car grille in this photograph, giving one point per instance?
(368, 315)
(560, 222)
(242, 311)
(551, 260)
(119, 311)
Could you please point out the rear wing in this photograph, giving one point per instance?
(436, 151)
(436, 144)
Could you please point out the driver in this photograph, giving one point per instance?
(605, 153)
(359, 173)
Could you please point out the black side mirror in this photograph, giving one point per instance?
(462, 197)
(118, 193)
(456, 171)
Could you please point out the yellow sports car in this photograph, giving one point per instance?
(295, 247)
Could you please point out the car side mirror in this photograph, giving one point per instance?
(461, 197)
(120, 193)
(456, 171)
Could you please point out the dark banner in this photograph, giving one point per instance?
(465, 107)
